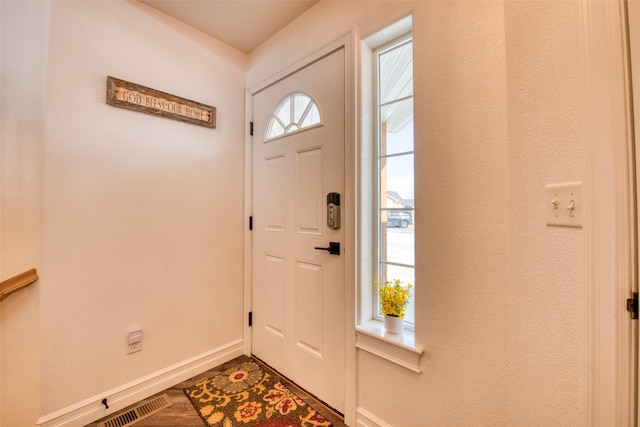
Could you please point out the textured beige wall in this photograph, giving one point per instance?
(119, 217)
(140, 218)
(22, 133)
(548, 344)
(462, 215)
(496, 96)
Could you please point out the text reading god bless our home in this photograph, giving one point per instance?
(133, 97)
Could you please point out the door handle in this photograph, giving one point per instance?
(333, 249)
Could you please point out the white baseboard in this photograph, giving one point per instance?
(365, 418)
(91, 409)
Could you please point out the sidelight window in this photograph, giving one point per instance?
(394, 228)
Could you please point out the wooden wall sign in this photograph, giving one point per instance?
(124, 94)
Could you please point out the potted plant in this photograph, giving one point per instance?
(393, 303)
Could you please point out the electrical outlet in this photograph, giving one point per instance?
(134, 341)
(133, 348)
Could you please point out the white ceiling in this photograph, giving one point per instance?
(243, 24)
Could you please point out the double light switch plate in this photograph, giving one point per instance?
(564, 205)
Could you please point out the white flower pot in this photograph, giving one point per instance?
(393, 325)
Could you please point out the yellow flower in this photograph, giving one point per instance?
(393, 297)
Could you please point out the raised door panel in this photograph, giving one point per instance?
(309, 301)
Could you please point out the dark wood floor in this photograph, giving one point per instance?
(182, 414)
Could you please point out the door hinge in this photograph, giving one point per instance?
(251, 223)
(250, 318)
(251, 128)
(632, 305)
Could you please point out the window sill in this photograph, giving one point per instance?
(397, 348)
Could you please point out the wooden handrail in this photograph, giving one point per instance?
(16, 282)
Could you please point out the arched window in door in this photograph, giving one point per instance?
(295, 112)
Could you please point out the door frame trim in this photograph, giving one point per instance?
(609, 189)
(349, 208)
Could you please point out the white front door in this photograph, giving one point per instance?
(298, 290)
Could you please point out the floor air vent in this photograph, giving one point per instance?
(142, 410)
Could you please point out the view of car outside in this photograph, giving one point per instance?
(397, 233)
(400, 219)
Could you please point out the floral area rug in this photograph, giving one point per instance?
(246, 395)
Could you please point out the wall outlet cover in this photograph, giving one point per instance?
(134, 348)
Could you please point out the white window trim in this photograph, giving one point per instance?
(400, 349)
